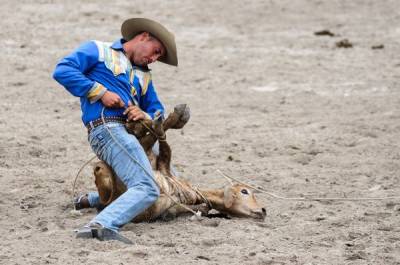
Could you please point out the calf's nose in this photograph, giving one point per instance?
(261, 213)
(264, 211)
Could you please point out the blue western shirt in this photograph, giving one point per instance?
(95, 67)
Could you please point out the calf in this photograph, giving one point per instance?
(234, 200)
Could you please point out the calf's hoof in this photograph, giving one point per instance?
(182, 111)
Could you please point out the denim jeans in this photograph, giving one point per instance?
(141, 192)
(94, 198)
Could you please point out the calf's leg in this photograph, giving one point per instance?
(108, 184)
(175, 120)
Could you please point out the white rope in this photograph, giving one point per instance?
(276, 196)
(76, 178)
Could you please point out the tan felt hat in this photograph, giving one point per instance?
(133, 26)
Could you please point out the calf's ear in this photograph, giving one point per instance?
(228, 196)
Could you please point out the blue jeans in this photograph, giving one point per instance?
(141, 192)
(93, 196)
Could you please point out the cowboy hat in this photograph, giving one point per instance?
(133, 26)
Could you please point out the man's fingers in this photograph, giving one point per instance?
(116, 103)
(121, 103)
(110, 104)
(129, 109)
(112, 100)
(132, 114)
(139, 117)
(135, 114)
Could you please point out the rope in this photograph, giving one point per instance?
(202, 196)
(262, 190)
(76, 178)
(149, 129)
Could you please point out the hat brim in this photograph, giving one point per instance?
(133, 26)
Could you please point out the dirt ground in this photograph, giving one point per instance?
(272, 104)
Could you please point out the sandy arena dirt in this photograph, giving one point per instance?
(272, 104)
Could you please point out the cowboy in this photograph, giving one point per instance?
(115, 85)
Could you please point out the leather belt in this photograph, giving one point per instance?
(97, 122)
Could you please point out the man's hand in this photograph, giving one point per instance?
(134, 113)
(112, 100)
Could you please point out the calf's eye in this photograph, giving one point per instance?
(244, 191)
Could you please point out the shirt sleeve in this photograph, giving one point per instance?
(150, 101)
(70, 72)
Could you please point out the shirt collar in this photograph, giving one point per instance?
(118, 45)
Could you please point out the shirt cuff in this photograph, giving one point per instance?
(96, 92)
(156, 114)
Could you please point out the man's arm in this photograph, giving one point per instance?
(70, 72)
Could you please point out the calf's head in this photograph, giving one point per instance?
(240, 201)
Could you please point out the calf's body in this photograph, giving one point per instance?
(236, 200)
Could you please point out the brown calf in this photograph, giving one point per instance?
(235, 200)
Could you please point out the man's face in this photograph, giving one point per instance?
(147, 50)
